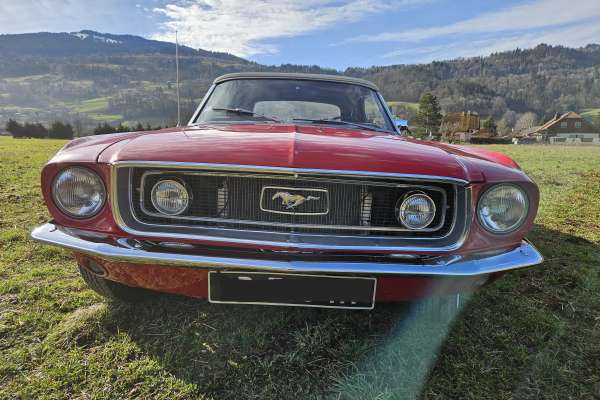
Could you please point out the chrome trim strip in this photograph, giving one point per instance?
(210, 300)
(196, 113)
(296, 76)
(388, 113)
(290, 171)
(444, 266)
(232, 221)
(380, 243)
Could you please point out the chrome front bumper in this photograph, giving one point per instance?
(97, 245)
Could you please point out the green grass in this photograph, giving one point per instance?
(99, 117)
(94, 108)
(405, 104)
(27, 78)
(590, 111)
(92, 105)
(534, 334)
(13, 108)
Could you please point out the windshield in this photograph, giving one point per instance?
(294, 101)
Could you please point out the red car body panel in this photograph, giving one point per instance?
(291, 146)
(193, 282)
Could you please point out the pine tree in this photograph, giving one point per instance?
(103, 129)
(122, 128)
(490, 125)
(60, 130)
(429, 115)
(15, 128)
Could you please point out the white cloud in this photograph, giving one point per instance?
(531, 15)
(241, 27)
(571, 36)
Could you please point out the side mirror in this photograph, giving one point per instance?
(401, 123)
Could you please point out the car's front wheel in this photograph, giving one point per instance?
(112, 290)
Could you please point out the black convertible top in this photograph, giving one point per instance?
(299, 76)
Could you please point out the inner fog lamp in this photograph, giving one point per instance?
(170, 197)
(78, 192)
(503, 208)
(416, 211)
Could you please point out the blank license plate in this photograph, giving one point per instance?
(291, 290)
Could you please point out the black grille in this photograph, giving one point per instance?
(249, 202)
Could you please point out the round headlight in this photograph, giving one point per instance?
(416, 211)
(503, 208)
(78, 192)
(170, 197)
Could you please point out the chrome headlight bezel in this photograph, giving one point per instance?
(182, 186)
(60, 203)
(402, 204)
(516, 225)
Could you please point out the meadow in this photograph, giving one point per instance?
(534, 334)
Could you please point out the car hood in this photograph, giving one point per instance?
(291, 146)
(301, 146)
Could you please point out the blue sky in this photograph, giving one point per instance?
(329, 33)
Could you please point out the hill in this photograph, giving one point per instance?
(543, 80)
(89, 77)
(86, 42)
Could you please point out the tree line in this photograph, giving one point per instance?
(57, 130)
(509, 85)
(544, 81)
(62, 130)
(105, 129)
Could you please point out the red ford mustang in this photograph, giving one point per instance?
(287, 189)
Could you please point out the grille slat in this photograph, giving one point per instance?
(355, 207)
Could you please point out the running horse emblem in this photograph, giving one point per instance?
(291, 201)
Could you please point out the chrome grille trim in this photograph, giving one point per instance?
(366, 204)
(285, 170)
(232, 221)
(222, 199)
(309, 241)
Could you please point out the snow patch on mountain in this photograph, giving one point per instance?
(98, 38)
(79, 35)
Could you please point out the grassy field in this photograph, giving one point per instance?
(590, 111)
(404, 104)
(535, 334)
(92, 105)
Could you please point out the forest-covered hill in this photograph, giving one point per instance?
(89, 77)
(543, 80)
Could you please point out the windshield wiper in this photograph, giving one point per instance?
(339, 121)
(243, 111)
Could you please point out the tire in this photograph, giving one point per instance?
(113, 291)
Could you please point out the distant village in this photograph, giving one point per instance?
(567, 128)
(470, 127)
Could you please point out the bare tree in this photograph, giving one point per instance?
(503, 127)
(510, 118)
(526, 120)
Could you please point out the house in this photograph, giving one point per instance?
(459, 126)
(460, 122)
(569, 127)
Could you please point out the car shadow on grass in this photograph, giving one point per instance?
(239, 351)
